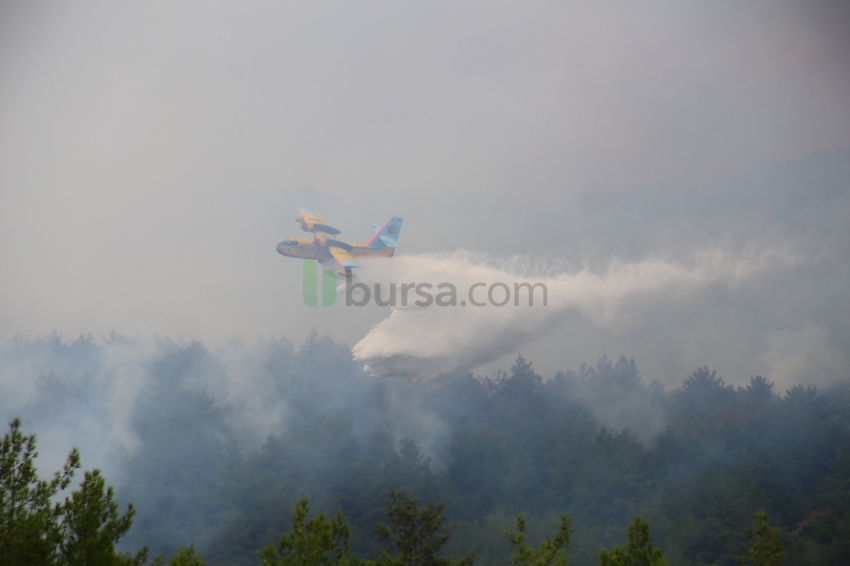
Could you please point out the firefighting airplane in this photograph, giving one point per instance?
(324, 245)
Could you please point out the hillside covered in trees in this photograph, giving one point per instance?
(215, 448)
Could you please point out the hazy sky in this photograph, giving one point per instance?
(153, 154)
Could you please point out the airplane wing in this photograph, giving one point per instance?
(323, 234)
(313, 222)
(344, 258)
(311, 217)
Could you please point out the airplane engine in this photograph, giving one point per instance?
(306, 226)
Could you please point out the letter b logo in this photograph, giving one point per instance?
(310, 285)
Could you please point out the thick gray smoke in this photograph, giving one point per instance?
(106, 397)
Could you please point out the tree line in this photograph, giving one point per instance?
(84, 529)
(598, 444)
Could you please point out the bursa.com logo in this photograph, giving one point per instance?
(422, 294)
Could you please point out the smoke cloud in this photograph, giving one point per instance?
(425, 343)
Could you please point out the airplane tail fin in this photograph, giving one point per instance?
(386, 236)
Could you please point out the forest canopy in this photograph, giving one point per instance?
(216, 470)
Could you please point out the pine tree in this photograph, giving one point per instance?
(638, 551)
(552, 552)
(82, 531)
(29, 532)
(91, 525)
(764, 548)
(415, 536)
(316, 542)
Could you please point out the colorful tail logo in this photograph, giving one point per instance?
(310, 286)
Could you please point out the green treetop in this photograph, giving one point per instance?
(638, 551)
(317, 542)
(415, 536)
(552, 552)
(764, 548)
